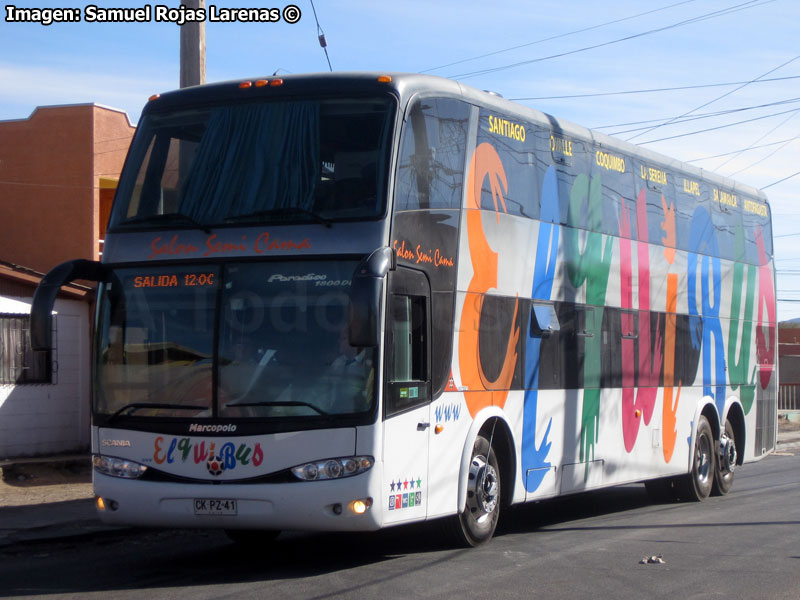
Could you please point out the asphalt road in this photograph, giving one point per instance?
(744, 545)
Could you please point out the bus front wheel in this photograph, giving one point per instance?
(477, 523)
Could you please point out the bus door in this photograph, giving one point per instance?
(407, 394)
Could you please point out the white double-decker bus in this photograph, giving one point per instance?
(350, 301)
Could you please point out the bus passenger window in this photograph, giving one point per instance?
(431, 166)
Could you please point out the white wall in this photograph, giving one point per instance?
(49, 419)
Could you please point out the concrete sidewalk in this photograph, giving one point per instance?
(46, 498)
(43, 520)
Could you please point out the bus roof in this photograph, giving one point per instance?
(405, 86)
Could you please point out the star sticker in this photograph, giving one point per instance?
(392, 486)
(405, 484)
(412, 484)
(419, 483)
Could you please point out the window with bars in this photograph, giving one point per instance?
(19, 364)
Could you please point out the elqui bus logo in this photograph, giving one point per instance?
(215, 465)
(199, 428)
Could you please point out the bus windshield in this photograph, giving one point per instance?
(248, 340)
(277, 161)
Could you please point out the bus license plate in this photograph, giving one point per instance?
(214, 506)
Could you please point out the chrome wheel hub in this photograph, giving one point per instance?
(727, 454)
(482, 488)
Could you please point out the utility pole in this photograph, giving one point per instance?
(193, 47)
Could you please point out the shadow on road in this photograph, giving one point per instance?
(161, 561)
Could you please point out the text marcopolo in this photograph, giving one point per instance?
(180, 15)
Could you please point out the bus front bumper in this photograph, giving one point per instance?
(346, 504)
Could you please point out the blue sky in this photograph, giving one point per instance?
(121, 64)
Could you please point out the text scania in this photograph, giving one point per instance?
(507, 129)
(186, 449)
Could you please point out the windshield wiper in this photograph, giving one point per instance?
(134, 406)
(166, 218)
(276, 212)
(279, 403)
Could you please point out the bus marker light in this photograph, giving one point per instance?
(105, 504)
(246, 84)
(262, 82)
(438, 429)
(276, 82)
(154, 97)
(361, 506)
(385, 79)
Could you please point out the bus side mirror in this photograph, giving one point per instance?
(366, 292)
(45, 297)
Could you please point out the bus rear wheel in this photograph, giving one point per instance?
(477, 523)
(697, 484)
(726, 461)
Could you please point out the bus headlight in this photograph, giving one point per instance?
(333, 468)
(117, 467)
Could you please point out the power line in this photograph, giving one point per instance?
(651, 90)
(767, 134)
(718, 98)
(555, 37)
(680, 135)
(321, 36)
(713, 14)
(770, 155)
(696, 117)
(763, 187)
(745, 149)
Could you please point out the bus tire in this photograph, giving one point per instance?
(252, 538)
(726, 459)
(698, 482)
(477, 523)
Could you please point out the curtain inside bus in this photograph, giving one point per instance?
(254, 158)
